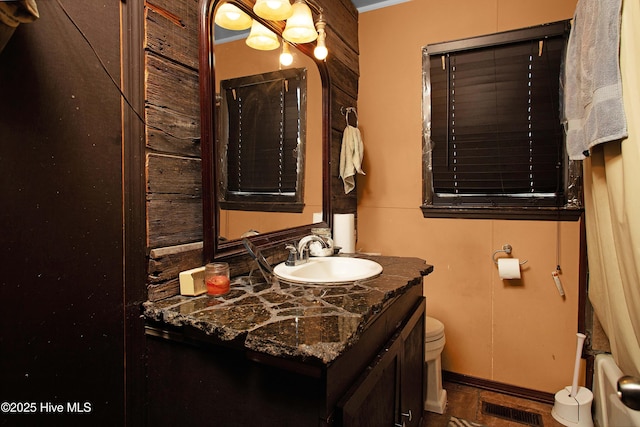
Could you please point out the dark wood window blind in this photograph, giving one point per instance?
(495, 134)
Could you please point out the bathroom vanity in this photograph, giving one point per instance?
(287, 354)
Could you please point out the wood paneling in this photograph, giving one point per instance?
(174, 208)
(168, 174)
(170, 30)
(169, 132)
(342, 40)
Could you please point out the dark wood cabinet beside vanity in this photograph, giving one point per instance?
(291, 355)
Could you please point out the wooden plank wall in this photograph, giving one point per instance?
(173, 172)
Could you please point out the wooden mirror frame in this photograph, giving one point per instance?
(212, 249)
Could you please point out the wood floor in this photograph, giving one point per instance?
(467, 402)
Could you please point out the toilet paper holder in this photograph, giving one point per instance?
(506, 249)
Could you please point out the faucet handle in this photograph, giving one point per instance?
(293, 254)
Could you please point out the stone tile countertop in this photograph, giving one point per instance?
(292, 320)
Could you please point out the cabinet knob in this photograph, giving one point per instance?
(408, 414)
(400, 425)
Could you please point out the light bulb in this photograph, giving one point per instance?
(320, 52)
(286, 58)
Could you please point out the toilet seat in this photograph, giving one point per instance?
(434, 329)
(434, 339)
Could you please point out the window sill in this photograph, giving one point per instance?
(262, 206)
(502, 212)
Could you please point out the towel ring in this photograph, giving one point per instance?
(346, 112)
(506, 249)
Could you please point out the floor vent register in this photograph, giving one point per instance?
(512, 414)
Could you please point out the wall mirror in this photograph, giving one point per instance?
(225, 218)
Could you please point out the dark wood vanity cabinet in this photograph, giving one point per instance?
(390, 392)
(352, 356)
(195, 383)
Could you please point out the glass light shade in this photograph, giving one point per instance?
(273, 10)
(286, 58)
(261, 38)
(232, 18)
(300, 28)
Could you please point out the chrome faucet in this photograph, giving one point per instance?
(300, 254)
(305, 242)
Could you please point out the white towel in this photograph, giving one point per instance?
(351, 156)
(593, 109)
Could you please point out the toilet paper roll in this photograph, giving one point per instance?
(509, 268)
(344, 232)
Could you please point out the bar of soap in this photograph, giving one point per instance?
(192, 282)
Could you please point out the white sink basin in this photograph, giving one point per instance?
(329, 270)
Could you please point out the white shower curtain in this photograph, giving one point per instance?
(612, 209)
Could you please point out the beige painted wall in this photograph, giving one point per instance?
(519, 333)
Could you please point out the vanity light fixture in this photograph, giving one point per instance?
(273, 10)
(261, 38)
(286, 58)
(300, 27)
(230, 17)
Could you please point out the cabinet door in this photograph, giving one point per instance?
(391, 391)
(412, 370)
(373, 400)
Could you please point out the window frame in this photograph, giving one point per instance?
(484, 209)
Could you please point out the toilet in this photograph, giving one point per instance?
(436, 398)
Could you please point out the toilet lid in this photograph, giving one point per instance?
(434, 329)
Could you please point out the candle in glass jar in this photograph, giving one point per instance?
(216, 277)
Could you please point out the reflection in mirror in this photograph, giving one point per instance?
(261, 141)
(235, 60)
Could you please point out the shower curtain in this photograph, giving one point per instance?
(612, 209)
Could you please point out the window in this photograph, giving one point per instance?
(494, 145)
(262, 139)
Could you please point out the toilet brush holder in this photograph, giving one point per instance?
(573, 410)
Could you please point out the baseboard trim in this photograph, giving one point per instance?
(511, 390)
